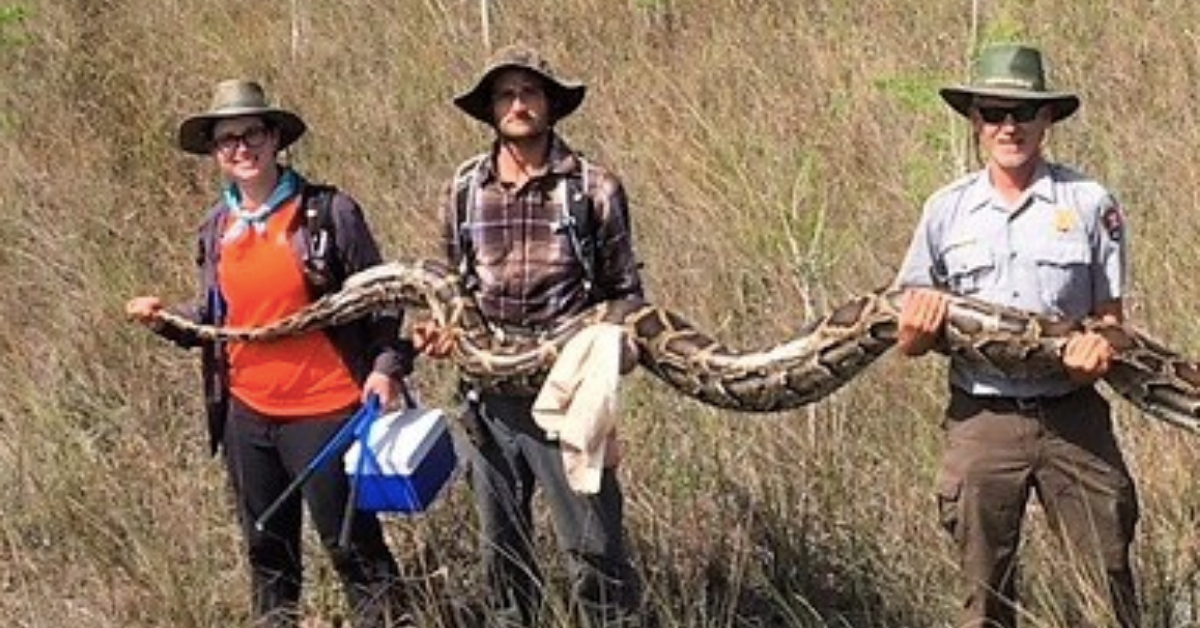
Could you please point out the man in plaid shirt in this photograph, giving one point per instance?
(532, 262)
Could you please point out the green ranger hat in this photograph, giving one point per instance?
(1011, 71)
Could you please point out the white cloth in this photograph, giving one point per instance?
(579, 403)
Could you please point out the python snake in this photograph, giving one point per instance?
(823, 356)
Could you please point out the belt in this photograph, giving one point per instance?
(520, 332)
(1013, 405)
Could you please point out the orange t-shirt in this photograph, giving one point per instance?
(263, 281)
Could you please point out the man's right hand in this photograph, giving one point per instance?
(922, 314)
(432, 339)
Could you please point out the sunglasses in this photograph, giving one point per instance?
(251, 138)
(1020, 114)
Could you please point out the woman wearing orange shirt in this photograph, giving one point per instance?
(273, 406)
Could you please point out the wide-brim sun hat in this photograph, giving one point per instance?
(564, 96)
(235, 98)
(1011, 71)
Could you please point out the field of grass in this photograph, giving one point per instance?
(776, 154)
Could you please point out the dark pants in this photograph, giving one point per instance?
(1064, 450)
(510, 458)
(263, 456)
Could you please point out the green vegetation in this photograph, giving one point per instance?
(776, 153)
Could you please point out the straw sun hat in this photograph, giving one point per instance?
(232, 99)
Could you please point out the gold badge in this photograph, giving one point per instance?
(1064, 219)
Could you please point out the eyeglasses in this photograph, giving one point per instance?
(1022, 113)
(253, 137)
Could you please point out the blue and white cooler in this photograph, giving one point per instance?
(409, 458)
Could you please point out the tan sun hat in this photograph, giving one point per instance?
(1013, 71)
(564, 96)
(232, 99)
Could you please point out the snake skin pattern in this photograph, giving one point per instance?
(823, 356)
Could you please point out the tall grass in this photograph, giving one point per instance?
(776, 153)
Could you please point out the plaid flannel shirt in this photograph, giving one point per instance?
(529, 276)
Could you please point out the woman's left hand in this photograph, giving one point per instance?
(390, 391)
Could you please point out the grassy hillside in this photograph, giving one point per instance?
(776, 153)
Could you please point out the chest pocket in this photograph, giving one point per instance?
(1063, 271)
(969, 269)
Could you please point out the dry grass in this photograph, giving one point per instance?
(794, 140)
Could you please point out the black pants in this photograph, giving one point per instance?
(512, 458)
(263, 456)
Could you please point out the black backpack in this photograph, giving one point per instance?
(323, 270)
(576, 218)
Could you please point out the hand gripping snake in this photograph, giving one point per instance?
(823, 356)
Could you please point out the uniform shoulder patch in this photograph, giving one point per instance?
(1113, 221)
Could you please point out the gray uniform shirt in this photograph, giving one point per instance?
(1060, 251)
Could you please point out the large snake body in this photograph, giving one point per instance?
(823, 356)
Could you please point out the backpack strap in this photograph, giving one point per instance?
(323, 270)
(576, 202)
(466, 186)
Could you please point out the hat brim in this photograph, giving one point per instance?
(564, 96)
(961, 97)
(195, 133)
